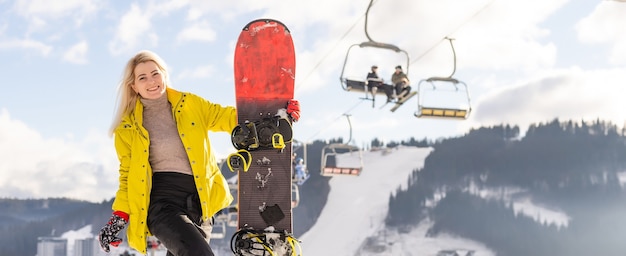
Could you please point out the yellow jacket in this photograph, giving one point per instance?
(194, 117)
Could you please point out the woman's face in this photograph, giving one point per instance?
(149, 81)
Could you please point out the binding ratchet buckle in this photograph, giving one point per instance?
(278, 141)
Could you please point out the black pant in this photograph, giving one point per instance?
(401, 87)
(387, 88)
(174, 215)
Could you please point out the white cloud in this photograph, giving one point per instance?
(194, 14)
(504, 35)
(230, 9)
(37, 167)
(43, 22)
(168, 6)
(133, 26)
(26, 44)
(200, 31)
(77, 53)
(38, 10)
(52, 8)
(605, 24)
(198, 72)
(571, 94)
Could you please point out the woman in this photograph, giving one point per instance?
(170, 185)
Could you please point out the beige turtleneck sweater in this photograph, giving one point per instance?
(167, 153)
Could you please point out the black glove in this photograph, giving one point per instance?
(108, 233)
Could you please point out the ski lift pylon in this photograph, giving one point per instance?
(295, 195)
(436, 83)
(330, 166)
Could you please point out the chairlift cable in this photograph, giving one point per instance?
(334, 120)
(455, 30)
(329, 52)
(366, 15)
(322, 60)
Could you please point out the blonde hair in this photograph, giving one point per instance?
(126, 96)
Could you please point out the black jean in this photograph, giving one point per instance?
(387, 88)
(401, 87)
(175, 216)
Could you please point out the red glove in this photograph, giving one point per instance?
(293, 109)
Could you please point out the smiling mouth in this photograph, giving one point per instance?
(153, 89)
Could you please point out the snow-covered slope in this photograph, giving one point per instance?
(357, 206)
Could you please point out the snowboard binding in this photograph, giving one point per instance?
(272, 132)
(244, 136)
(248, 242)
(239, 161)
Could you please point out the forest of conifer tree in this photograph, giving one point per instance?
(569, 166)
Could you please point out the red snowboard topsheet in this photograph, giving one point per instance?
(264, 62)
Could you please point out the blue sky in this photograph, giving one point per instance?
(60, 61)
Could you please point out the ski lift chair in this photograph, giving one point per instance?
(442, 112)
(219, 230)
(329, 165)
(440, 84)
(354, 85)
(232, 220)
(227, 216)
(363, 86)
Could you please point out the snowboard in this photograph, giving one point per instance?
(264, 68)
(402, 101)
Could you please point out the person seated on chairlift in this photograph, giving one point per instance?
(374, 81)
(302, 173)
(401, 82)
(293, 165)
